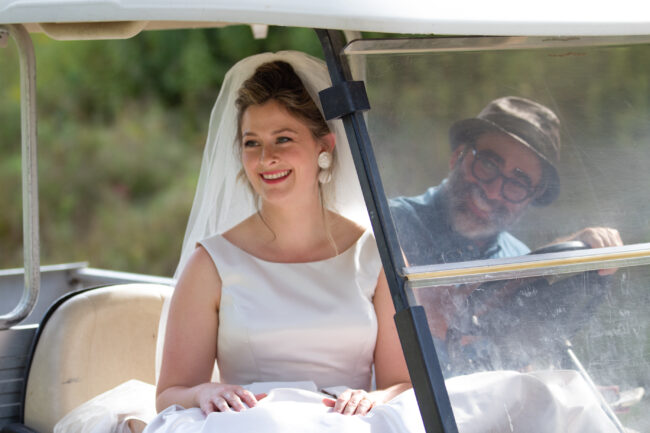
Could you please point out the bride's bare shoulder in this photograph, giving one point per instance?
(199, 264)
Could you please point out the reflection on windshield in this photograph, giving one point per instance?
(490, 155)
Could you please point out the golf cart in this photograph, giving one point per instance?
(398, 95)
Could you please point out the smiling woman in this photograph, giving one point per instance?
(294, 271)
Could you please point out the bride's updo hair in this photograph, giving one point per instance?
(278, 81)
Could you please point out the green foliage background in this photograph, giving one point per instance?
(121, 131)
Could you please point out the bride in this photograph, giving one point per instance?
(283, 282)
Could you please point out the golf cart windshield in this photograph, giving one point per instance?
(467, 213)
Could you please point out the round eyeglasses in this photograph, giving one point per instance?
(486, 169)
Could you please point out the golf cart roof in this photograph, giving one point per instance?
(500, 17)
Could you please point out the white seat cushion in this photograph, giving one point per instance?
(93, 342)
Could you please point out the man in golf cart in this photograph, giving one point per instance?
(502, 161)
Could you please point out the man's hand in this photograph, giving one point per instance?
(597, 237)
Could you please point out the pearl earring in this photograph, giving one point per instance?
(324, 162)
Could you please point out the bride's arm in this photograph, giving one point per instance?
(191, 343)
(391, 374)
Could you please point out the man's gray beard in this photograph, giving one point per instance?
(467, 223)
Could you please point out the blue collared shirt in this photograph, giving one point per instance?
(427, 237)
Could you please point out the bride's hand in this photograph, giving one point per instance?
(351, 402)
(218, 397)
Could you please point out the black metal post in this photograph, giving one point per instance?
(412, 327)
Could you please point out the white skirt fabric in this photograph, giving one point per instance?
(557, 401)
(502, 401)
(131, 404)
(292, 410)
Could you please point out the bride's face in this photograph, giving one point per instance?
(279, 154)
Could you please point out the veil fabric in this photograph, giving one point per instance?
(223, 199)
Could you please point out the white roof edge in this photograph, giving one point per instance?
(559, 17)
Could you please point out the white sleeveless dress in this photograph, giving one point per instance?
(292, 330)
(297, 321)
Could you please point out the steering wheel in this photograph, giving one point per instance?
(560, 247)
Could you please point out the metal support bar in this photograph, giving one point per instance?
(368, 173)
(30, 176)
(534, 265)
(594, 389)
(422, 45)
(411, 322)
(422, 358)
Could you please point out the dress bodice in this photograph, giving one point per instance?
(297, 321)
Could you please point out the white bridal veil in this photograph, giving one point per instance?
(222, 198)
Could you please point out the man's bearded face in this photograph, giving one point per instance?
(477, 209)
(466, 196)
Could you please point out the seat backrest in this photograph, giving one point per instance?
(91, 343)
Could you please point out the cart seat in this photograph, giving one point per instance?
(90, 343)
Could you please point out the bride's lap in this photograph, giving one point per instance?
(288, 410)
